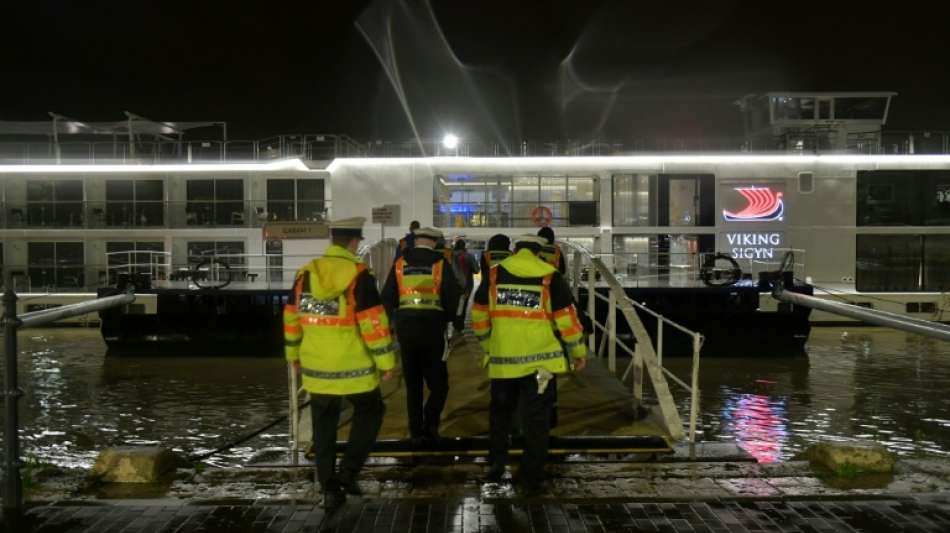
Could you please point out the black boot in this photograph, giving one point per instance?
(349, 484)
(333, 495)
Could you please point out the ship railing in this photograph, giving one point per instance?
(156, 264)
(648, 269)
(646, 357)
(145, 214)
(308, 146)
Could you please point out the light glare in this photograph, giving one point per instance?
(450, 141)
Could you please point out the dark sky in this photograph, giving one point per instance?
(527, 69)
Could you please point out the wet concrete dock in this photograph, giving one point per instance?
(923, 514)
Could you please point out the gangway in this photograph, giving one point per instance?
(600, 410)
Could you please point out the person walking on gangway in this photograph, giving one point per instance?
(409, 240)
(550, 252)
(422, 295)
(524, 319)
(337, 335)
(497, 250)
(466, 266)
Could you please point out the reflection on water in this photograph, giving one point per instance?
(77, 401)
(757, 423)
(856, 383)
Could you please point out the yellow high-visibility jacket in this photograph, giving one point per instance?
(335, 325)
(419, 287)
(525, 319)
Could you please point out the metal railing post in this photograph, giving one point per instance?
(576, 275)
(694, 389)
(637, 376)
(659, 340)
(12, 488)
(612, 332)
(591, 297)
(294, 412)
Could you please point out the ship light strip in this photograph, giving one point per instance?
(285, 164)
(651, 160)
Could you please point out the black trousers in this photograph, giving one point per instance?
(422, 365)
(368, 409)
(505, 395)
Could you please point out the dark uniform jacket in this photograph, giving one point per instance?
(423, 321)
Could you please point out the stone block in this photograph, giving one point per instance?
(849, 458)
(134, 464)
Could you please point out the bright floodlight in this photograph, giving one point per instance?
(450, 141)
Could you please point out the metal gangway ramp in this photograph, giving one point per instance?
(600, 410)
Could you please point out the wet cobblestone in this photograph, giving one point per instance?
(473, 514)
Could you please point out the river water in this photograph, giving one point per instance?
(864, 383)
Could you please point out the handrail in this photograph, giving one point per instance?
(919, 326)
(644, 354)
(12, 482)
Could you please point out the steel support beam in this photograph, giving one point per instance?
(926, 328)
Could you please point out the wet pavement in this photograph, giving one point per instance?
(470, 514)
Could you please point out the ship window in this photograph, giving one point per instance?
(860, 108)
(903, 263)
(131, 203)
(215, 202)
(295, 199)
(936, 263)
(664, 258)
(55, 265)
(824, 109)
(274, 248)
(631, 200)
(903, 198)
(56, 203)
(464, 200)
(888, 263)
(806, 182)
(793, 108)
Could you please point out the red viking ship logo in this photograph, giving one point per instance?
(762, 205)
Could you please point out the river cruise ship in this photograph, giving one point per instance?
(867, 221)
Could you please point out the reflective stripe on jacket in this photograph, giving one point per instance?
(335, 325)
(515, 322)
(419, 286)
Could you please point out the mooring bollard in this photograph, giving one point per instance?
(12, 493)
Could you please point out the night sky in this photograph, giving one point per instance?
(539, 70)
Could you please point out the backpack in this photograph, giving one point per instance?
(462, 267)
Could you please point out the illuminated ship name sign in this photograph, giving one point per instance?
(762, 205)
(754, 245)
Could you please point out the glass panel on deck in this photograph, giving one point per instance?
(888, 263)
